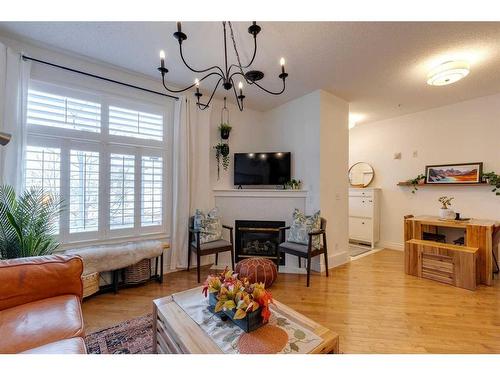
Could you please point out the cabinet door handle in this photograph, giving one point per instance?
(362, 222)
(362, 201)
(370, 201)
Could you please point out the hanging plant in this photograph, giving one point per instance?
(494, 180)
(414, 182)
(221, 155)
(225, 129)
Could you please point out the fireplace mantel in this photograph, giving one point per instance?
(272, 193)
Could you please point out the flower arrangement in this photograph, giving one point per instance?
(238, 295)
(445, 201)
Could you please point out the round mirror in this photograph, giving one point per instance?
(361, 175)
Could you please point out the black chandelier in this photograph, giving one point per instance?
(225, 73)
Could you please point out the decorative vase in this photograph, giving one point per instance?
(224, 133)
(225, 150)
(446, 213)
(249, 323)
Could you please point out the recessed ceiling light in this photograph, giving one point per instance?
(448, 73)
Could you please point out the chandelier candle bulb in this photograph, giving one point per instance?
(162, 58)
(179, 28)
(240, 86)
(282, 63)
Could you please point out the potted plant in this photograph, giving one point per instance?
(222, 155)
(293, 184)
(27, 222)
(225, 129)
(445, 212)
(247, 305)
(492, 179)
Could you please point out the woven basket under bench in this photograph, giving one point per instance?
(137, 273)
(90, 284)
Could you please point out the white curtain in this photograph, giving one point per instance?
(14, 81)
(190, 175)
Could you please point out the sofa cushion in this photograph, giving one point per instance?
(75, 345)
(213, 244)
(294, 246)
(39, 323)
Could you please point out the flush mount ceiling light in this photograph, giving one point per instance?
(224, 72)
(448, 73)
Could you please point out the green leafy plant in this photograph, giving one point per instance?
(293, 184)
(494, 180)
(225, 129)
(222, 155)
(445, 201)
(414, 182)
(27, 222)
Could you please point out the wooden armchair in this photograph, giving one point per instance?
(306, 251)
(208, 248)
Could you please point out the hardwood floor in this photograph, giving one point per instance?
(370, 302)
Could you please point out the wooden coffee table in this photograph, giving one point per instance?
(175, 331)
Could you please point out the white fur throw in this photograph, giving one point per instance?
(113, 257)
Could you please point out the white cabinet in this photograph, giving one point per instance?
(364, 225)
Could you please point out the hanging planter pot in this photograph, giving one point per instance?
(224, 129)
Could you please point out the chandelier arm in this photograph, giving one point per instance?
(191, 86)
(197, 70)
(205, 106)
(259, 86)
(240, 107)
(251, 61)
(244, 77)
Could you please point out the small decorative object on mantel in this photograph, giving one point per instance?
(444, 212)
(466, 173)
(492, 179)
(247, 305)
(293, 184)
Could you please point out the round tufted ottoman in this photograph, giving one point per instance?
(258, 270)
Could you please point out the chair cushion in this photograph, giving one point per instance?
(213, 245)
(294, 246)
(75, 345)
(39, 323)
(258, 270)
(302, 225)
(208, 224)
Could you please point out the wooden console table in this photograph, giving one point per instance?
(462, 266)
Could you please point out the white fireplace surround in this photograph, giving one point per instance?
(262, 204)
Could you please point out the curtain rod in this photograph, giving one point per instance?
(98, 77)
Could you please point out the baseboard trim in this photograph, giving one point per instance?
(391, 245)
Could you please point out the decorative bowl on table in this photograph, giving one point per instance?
(246, 304)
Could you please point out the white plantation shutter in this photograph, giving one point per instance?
(121, 191)
(151, 190)
(84, 191)
(135, 124)
(45, 109)
(43, 169)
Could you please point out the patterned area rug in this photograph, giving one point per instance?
(134, 336)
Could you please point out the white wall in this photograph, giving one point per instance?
(464, 132)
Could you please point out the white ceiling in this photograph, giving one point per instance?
(379, 67)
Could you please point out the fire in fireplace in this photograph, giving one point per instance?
(257, 238)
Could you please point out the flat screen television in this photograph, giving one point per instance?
(262, 168)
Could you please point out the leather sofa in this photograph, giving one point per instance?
(40, 305)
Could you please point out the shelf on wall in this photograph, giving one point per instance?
(406, 183)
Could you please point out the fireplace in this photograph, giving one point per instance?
(256, 238)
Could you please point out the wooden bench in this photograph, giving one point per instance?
(443, 262)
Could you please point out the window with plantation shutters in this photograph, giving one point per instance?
(84, 191)
(43, 170)
(104, 156)
(126, 122)
(46, 109)
(121, 191)
(152, 188)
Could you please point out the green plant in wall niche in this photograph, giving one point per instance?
(222, 156)
(494, 180)
(414, 182)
